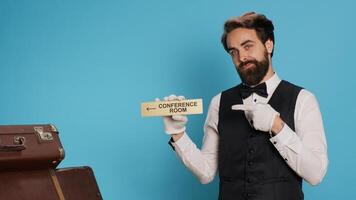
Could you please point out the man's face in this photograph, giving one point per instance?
(248, 54)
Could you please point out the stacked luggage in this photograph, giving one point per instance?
(29, 156)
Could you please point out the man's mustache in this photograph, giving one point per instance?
(242, 64)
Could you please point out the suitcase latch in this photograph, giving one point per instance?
(19, 140)
(43, 136)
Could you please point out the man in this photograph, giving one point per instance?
(264, 135)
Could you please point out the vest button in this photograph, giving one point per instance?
(251, 150)
(249, 180)
(250, 163)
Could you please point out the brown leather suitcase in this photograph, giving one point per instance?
(29, 155)
(29, 147)
(78, 183)
(27, 185)
(75, 183)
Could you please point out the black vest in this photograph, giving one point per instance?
(250, 167)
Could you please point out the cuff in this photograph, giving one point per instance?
(183, 143)
(286, 138)
(281, 139)
(170, 142)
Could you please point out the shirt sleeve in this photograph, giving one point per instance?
(202, 163)
(305, 150)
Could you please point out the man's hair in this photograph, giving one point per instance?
(258, 22)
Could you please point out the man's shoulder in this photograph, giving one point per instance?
(215, 101)
(304, 95)
(303, 91)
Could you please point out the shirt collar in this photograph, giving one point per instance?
(272, 83)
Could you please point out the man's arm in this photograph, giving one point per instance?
(202, 163)
(304, 150)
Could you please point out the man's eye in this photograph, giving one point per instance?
(233, 53)
(247, 47)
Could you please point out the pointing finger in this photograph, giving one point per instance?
(243, 107)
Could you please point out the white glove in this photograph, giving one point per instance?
(176, 123)
(262, 115)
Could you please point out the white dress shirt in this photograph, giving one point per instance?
(304, 150)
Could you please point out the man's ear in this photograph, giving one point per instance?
(269, 46)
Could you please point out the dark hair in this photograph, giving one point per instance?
(263, 27)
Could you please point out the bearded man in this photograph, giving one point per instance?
(263, 136)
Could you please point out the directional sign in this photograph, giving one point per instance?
(168, 108)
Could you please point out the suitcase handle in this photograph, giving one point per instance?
(18, 146)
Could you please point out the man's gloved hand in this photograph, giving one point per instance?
(262, 115)
(176, 123)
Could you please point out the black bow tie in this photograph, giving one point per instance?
(260, 89)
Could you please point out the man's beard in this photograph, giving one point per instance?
(254, 74)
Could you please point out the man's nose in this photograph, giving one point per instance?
(243, 57)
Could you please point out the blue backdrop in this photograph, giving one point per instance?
(86, 66)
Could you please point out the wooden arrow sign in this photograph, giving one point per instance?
(168, 108)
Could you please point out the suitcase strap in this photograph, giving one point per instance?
(56, 184)
(12, 147)
(18, 146)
